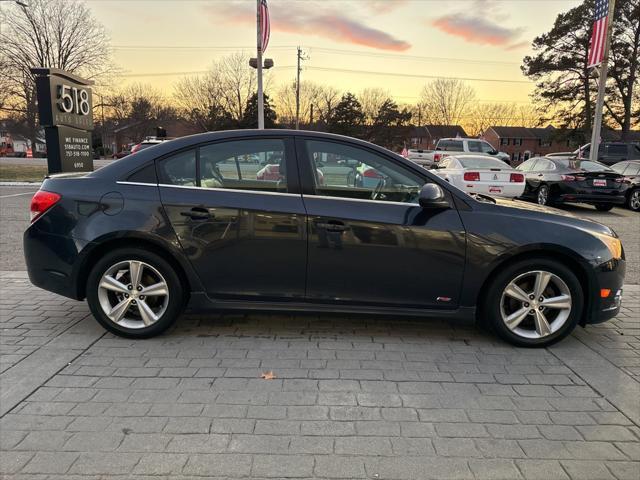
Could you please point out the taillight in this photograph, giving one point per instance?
(41, 202)
(516, 178)
(371, 173)
(471, 176)
(568, 178)
(437, 157)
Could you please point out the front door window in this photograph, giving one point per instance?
(344, 171)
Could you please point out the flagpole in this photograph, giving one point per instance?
(259, 57)
(602, 84)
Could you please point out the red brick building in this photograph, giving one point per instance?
(523, 143)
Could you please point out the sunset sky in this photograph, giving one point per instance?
(479, 39)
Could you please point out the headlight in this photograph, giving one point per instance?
(613, 244)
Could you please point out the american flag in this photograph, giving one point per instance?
(599, 34)
(265, 28)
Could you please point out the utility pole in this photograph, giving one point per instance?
(311, 118)
(259, 68)
(300, 58)
(602, 84)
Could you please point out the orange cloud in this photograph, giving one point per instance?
(477, 30)
(298, 19)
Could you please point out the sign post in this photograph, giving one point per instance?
(65, 107)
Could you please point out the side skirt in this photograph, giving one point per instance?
(200, 302)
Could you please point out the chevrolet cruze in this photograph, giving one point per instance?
(195, 222)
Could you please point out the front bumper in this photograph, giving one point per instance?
(609, 277)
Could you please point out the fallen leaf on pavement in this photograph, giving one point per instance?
(268, 375)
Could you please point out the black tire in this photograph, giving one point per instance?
(174, 303)
(603, 207)
(490, 309)
(633, 200)
(543, 195)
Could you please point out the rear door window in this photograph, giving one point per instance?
(253, 164)
(451, 145)
(179, 169)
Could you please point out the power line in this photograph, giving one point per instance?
(409, 57)
(411, 75)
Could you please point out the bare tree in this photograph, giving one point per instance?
(328, 99)
(446, 101)
(485, 115)
(285, 102)
(222, 92)
(238, 81)
(54, 34)
(201, 100)
(138, 109)
(371, 100)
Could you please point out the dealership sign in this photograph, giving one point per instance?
(65, 106)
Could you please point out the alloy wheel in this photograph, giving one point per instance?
(535, 304)
(634, 200)
(133, 294)
(543, 195)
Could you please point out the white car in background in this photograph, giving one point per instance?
(481, 174)
(424, 158)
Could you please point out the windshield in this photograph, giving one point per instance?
(585, 165)
(482, 162)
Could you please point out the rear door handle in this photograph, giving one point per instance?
(197, 213)
(333, 226)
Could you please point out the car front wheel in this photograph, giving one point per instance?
(634, 200)
(534, 303)
(134, 293)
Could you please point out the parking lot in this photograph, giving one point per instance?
(352, 397)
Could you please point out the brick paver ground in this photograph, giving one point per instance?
(357, 397)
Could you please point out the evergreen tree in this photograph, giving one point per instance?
(388, 129)
(347, 118)
(250, 117)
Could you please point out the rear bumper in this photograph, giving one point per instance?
(495, 189)
(592, 198)
(609, 276)
(51, 260)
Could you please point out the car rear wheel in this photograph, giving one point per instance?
(134, 293)
(543, 195)
(603, 207)
(634, 200)
(534, 303)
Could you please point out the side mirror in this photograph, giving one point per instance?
(432, 196)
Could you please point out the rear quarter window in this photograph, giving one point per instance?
(144, 175)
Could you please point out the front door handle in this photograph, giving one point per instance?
(197, 213)
(333, 226)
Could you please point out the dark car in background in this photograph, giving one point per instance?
(610, 153)
(631, 171)
(553, 181)
(171, 227)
